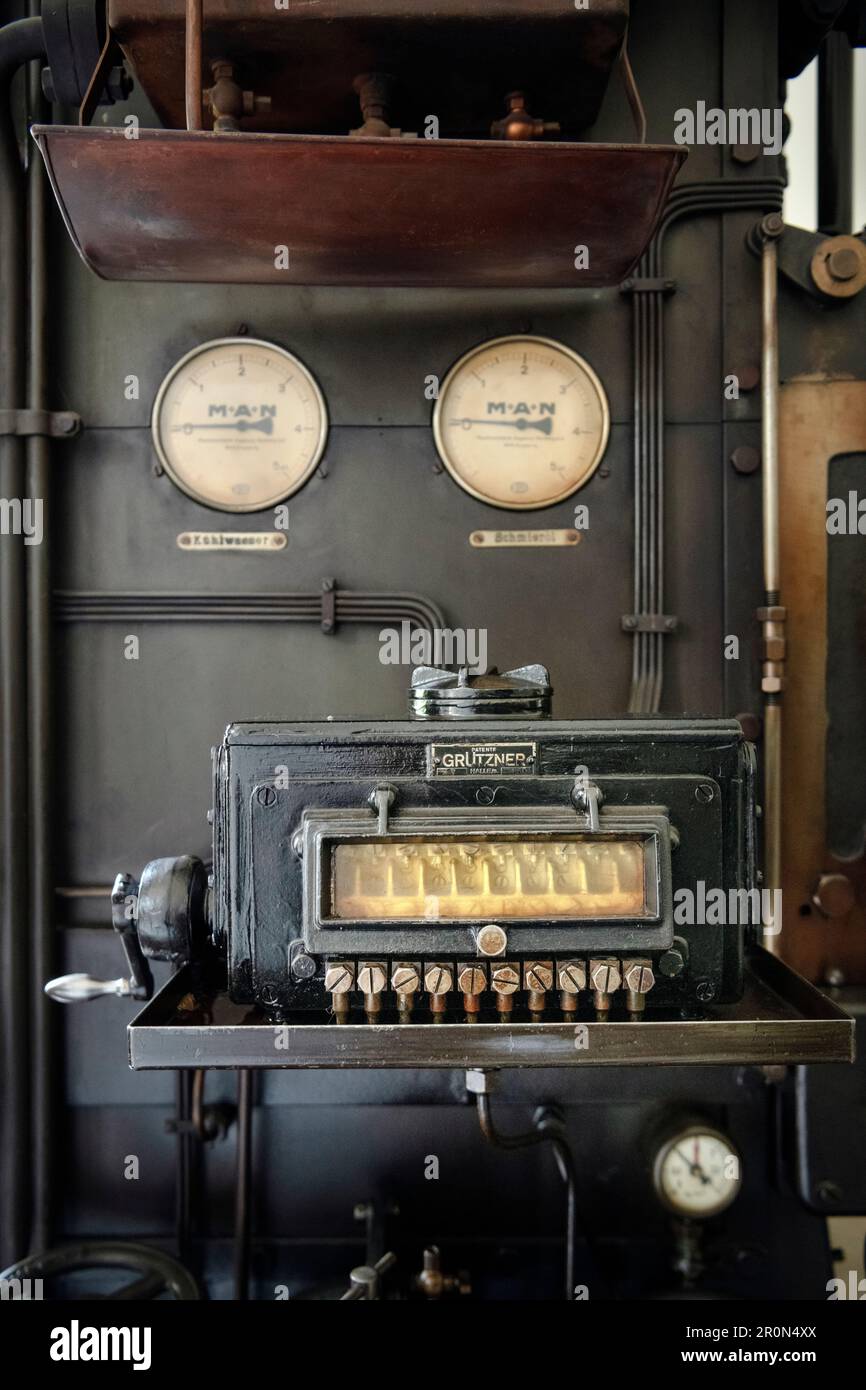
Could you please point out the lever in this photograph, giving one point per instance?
(76, 988)
(586, 797)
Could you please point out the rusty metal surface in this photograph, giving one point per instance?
(818, 419)
(195, 206)
(455, 58)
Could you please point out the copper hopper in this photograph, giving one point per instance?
(199, 206)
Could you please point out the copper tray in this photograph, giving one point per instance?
(198, 206)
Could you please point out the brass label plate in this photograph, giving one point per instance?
(481, 759)
(485, 540)
(228, 542)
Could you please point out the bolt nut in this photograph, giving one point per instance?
(538, 976)
(406, 978)
(638, 976)
(505, 978)
(438, 978)
(672, 963)
(339, 977)
(571, 976)
(471, 978)
(490, 941)
(372, 976)
(604, 976)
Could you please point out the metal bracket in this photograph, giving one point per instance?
(329, 607)
(52, 424)
(663, 623)
(648, 284)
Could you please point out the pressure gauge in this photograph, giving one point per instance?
(697, 1173)
(521, 422)
(239, 424)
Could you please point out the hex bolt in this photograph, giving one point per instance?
(339, 983)
(604, 981)
(438, 982)
(537, 980)
(571, 978)
(372, 980)
(638, 979)
(504, 981)
(405, 982)
(672, 963)
(472, 982)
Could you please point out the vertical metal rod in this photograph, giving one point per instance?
(770, 498)
(243, 1172)
(193, 63)
(19, 43)
(41, 770)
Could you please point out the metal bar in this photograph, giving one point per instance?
(772, 820)
(243, 1185)
(20, 42)
(38, 449)
(193, 64)
(835, 134)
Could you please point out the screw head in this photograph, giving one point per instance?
(505, 978)
(471, 978)
(266, 796)
(538, 976)
(372, 977)
(571, 975)
(339, 977)
(705, 991)
(638, 976)
(303, 966)
(491, 941)
(604, 976)
(405, 978)
(438, 978)
(704, 793)
(843, 263)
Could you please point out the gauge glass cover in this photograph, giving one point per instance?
(521, 422)
(698, 1173)
(239, 424)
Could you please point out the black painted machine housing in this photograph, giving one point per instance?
(288, 796)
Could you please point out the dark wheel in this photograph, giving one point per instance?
(156, 1274)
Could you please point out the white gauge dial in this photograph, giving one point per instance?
(239, 424)
(521, 422)
(698, 1172)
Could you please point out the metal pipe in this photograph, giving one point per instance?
(243, 1185)
(39, 704)
(193, 63)
(770, 416)
(835, 134)
(545, 1132)
(20, 42)
(772, 615)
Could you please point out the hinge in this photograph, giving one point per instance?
(51, 424)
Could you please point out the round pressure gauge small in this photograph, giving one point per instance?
(698, 1172)
(239, 424)
(521, 422)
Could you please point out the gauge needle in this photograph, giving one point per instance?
(266, 426)
(694, 1168)
(545, 426)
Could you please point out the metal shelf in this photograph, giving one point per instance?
(781, 1019)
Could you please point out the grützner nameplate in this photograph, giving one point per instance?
(480, 759)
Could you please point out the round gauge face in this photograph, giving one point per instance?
(239, 424)
(521, 422)
(698, 1173)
